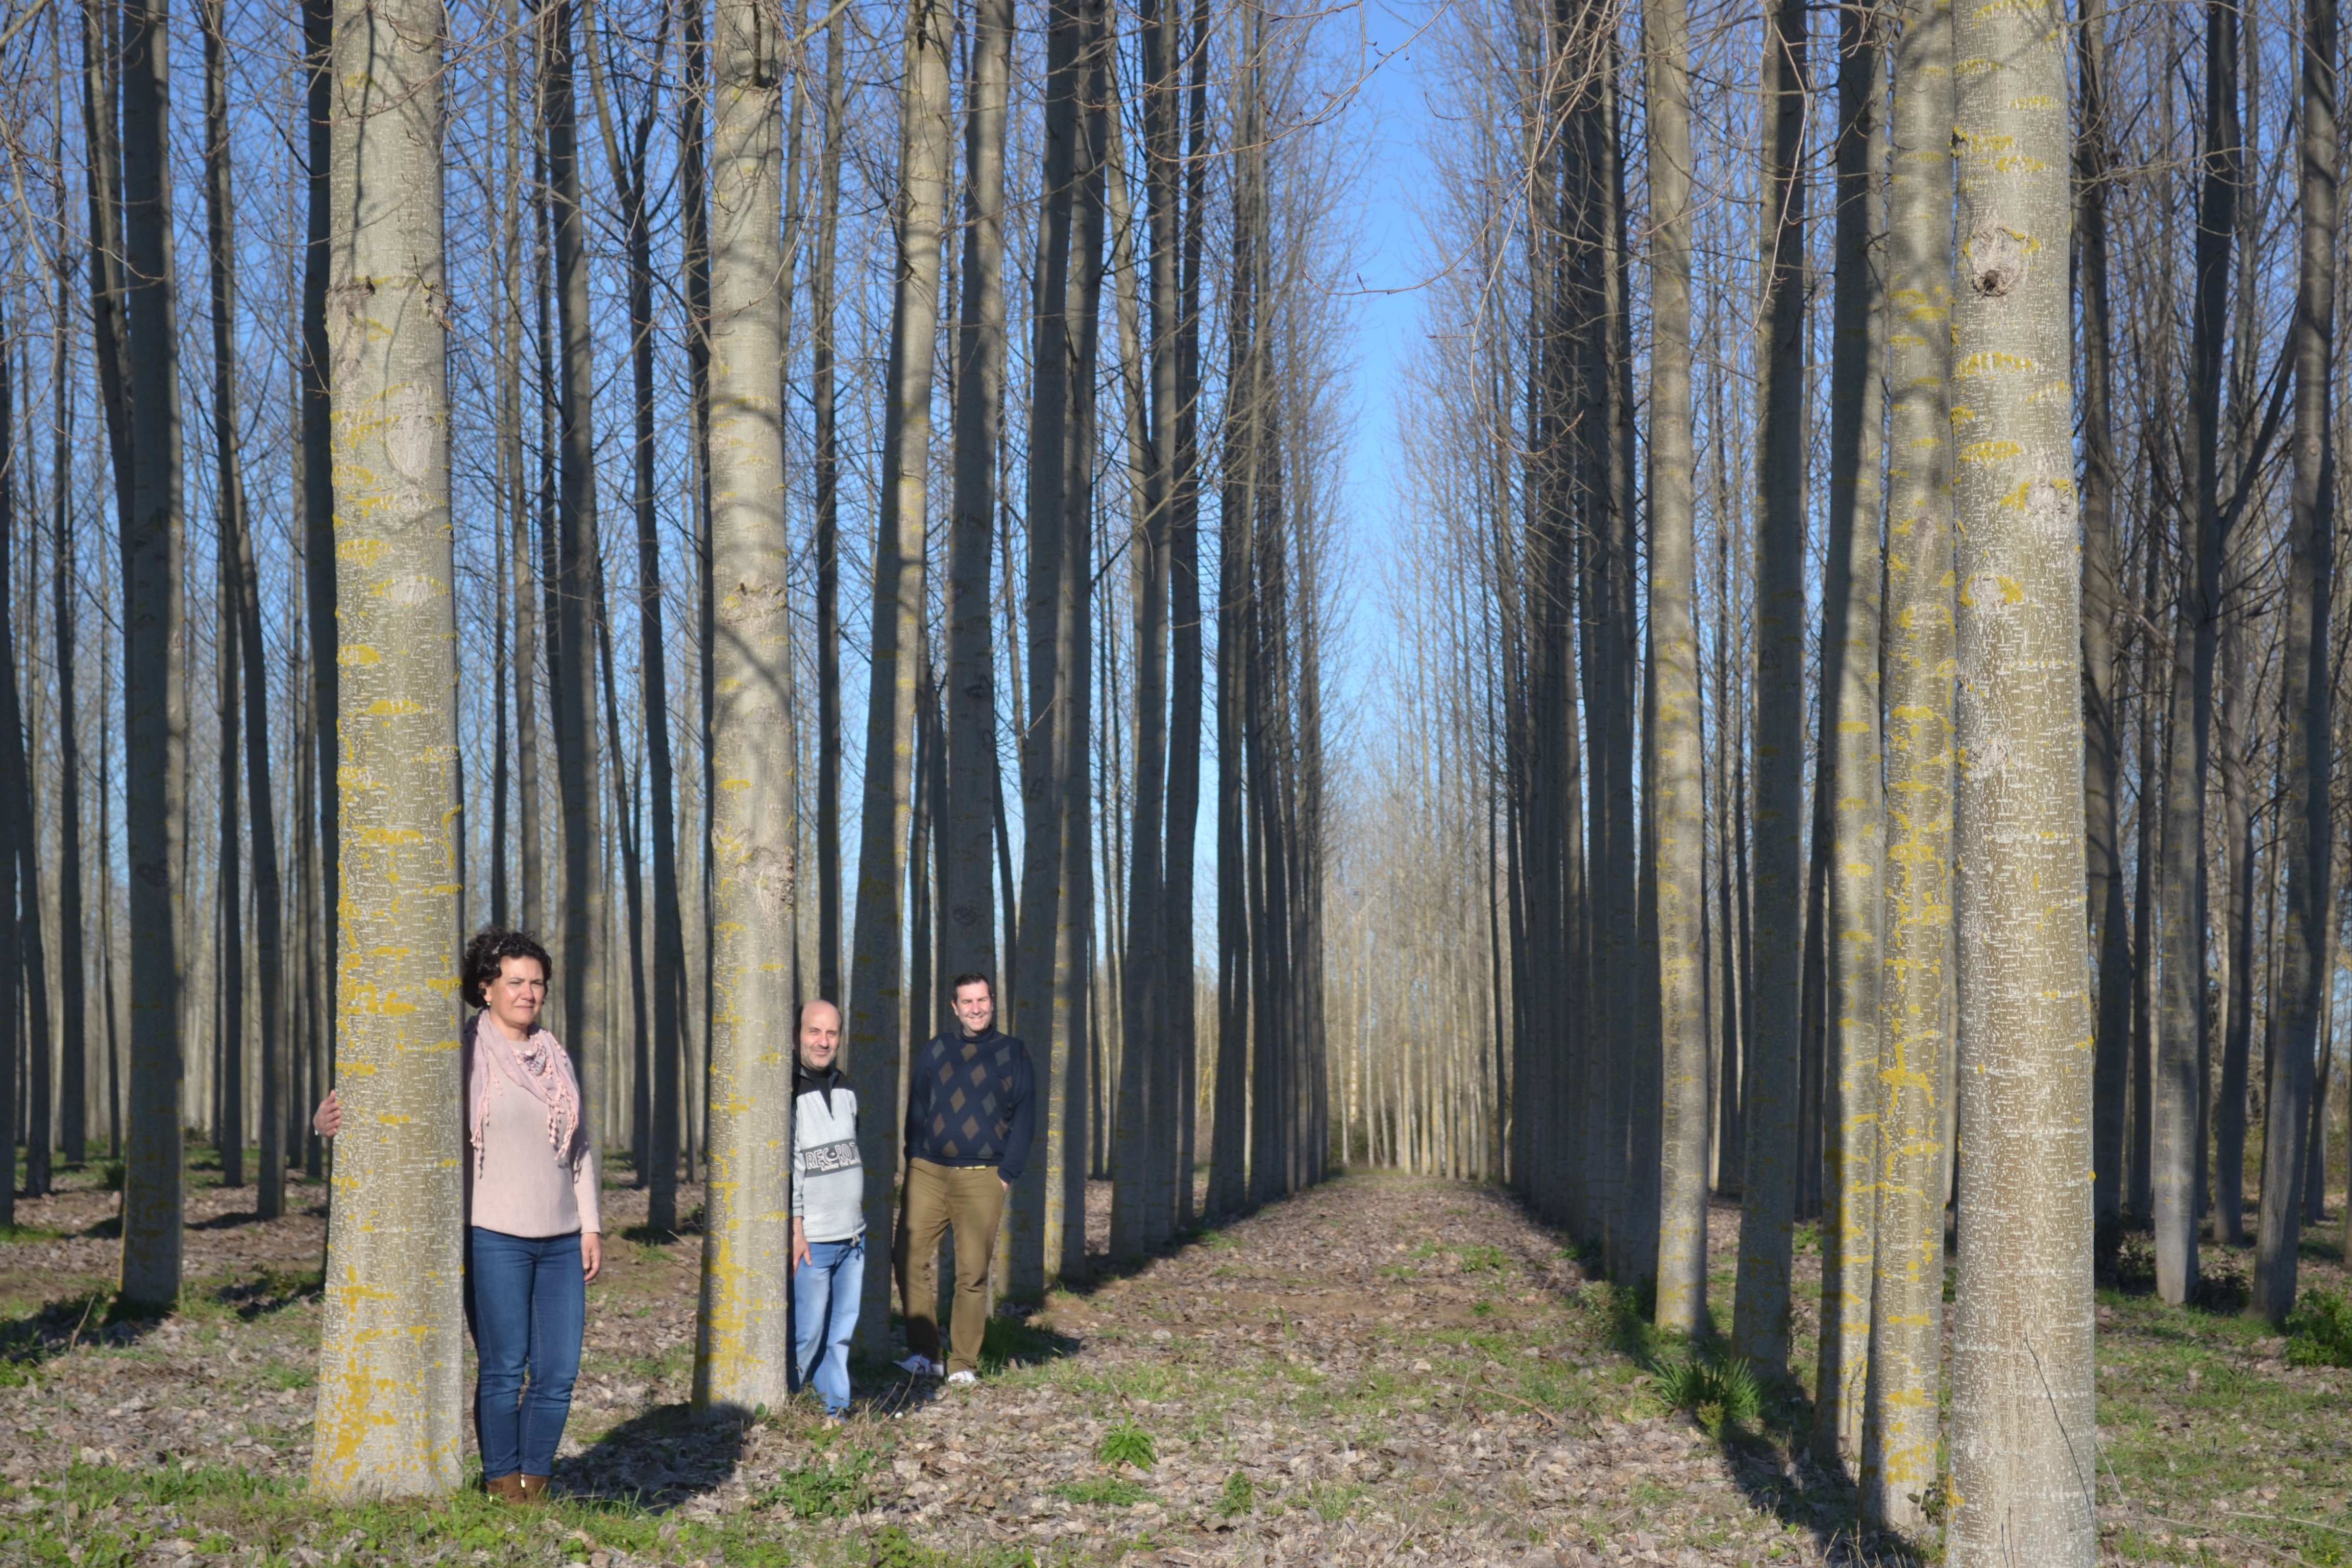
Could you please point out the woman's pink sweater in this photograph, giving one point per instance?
(523, 1189)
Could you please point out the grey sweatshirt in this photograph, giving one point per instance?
(828, 1178)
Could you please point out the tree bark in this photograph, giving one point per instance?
(2023, 1442)
(391, 1361)
(875, 976)
(2101, 607)
(966, 821)
(1850, 689)
(73, 992)
(1900, 1397)
(2182, 1046)
(2306, 843)
(1678, 821)
(571, 676)
(827, 543)
(1761, 1318)
(155, 715)
(741, 1350)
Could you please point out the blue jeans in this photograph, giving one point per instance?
(528, 1307)
(826, 1294)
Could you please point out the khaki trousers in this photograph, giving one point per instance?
(971, 1198)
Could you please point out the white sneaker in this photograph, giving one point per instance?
(922, 1365)
(963, 1377)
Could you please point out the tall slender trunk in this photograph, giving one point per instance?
(741, 1342)
(229, 525)
(1900, 1438)
(668, 975)
(391, 1361)
(323, 696)
(2182, 1046)
(827, 544)
(876, 977)
(1760, 1319)
(1230, 1132)
(15, 825)
(580, 971)
(1074, 960)
(2306, 843)
(1854, 1036)
(966, 817)
(1032, 1235)
(154, 695)
(73, 987)
(2101, 610)
(1678, 822)
(2023, 1442)
(1184, 608)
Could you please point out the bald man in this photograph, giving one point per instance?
(828, 1209)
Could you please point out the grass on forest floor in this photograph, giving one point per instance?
(2212, 1442)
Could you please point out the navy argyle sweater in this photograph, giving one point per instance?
(973, 1100)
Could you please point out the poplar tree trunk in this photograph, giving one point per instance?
(827, 542)
(1768, 1204)
(1678, 821)
(14, 826)
(1036, 1227)
(391, 1361)
(742, 1351)
(324, 689)
(73, 1020)
(967, 820)
(1855, 957)
(2182, 1046)
(580, 968)
(155, 715)
(2101, 607)
(1901, 1391)
(2307, 842)
(2023, 1443)
(877, 975)
(669, 976)
(229, 527)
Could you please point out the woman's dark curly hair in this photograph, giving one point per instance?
(491, 946)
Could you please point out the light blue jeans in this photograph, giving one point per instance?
(826, 1290)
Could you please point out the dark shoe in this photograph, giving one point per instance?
(531, 1489)
(504, 1488)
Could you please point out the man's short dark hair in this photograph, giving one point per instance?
(972, 977)
(491, 947)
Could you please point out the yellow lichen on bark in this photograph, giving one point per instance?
(391, 1354)
(2022, 1443)
(742, 1351)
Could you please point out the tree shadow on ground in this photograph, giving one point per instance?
(32, 1339)
(270, 1290)
(1769, 1456)
(655, 1462)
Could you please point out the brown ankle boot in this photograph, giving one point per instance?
(504, 1488)
(531, 1489)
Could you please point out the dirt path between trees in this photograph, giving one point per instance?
(1384, 1370)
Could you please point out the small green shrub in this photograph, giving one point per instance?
(1484, 1259)
(1127, 1444)
(1237, 1497)
(2319, 1330)
(833, 1489)
(1719, 1389)
(1112, 1491)
(1334, 1500)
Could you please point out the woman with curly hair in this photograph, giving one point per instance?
(533, 1235)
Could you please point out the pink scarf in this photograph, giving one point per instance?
(538, 1066)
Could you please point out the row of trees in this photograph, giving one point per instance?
(724, 269)
(1881, 687)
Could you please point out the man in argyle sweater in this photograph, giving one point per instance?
(972, 1113)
